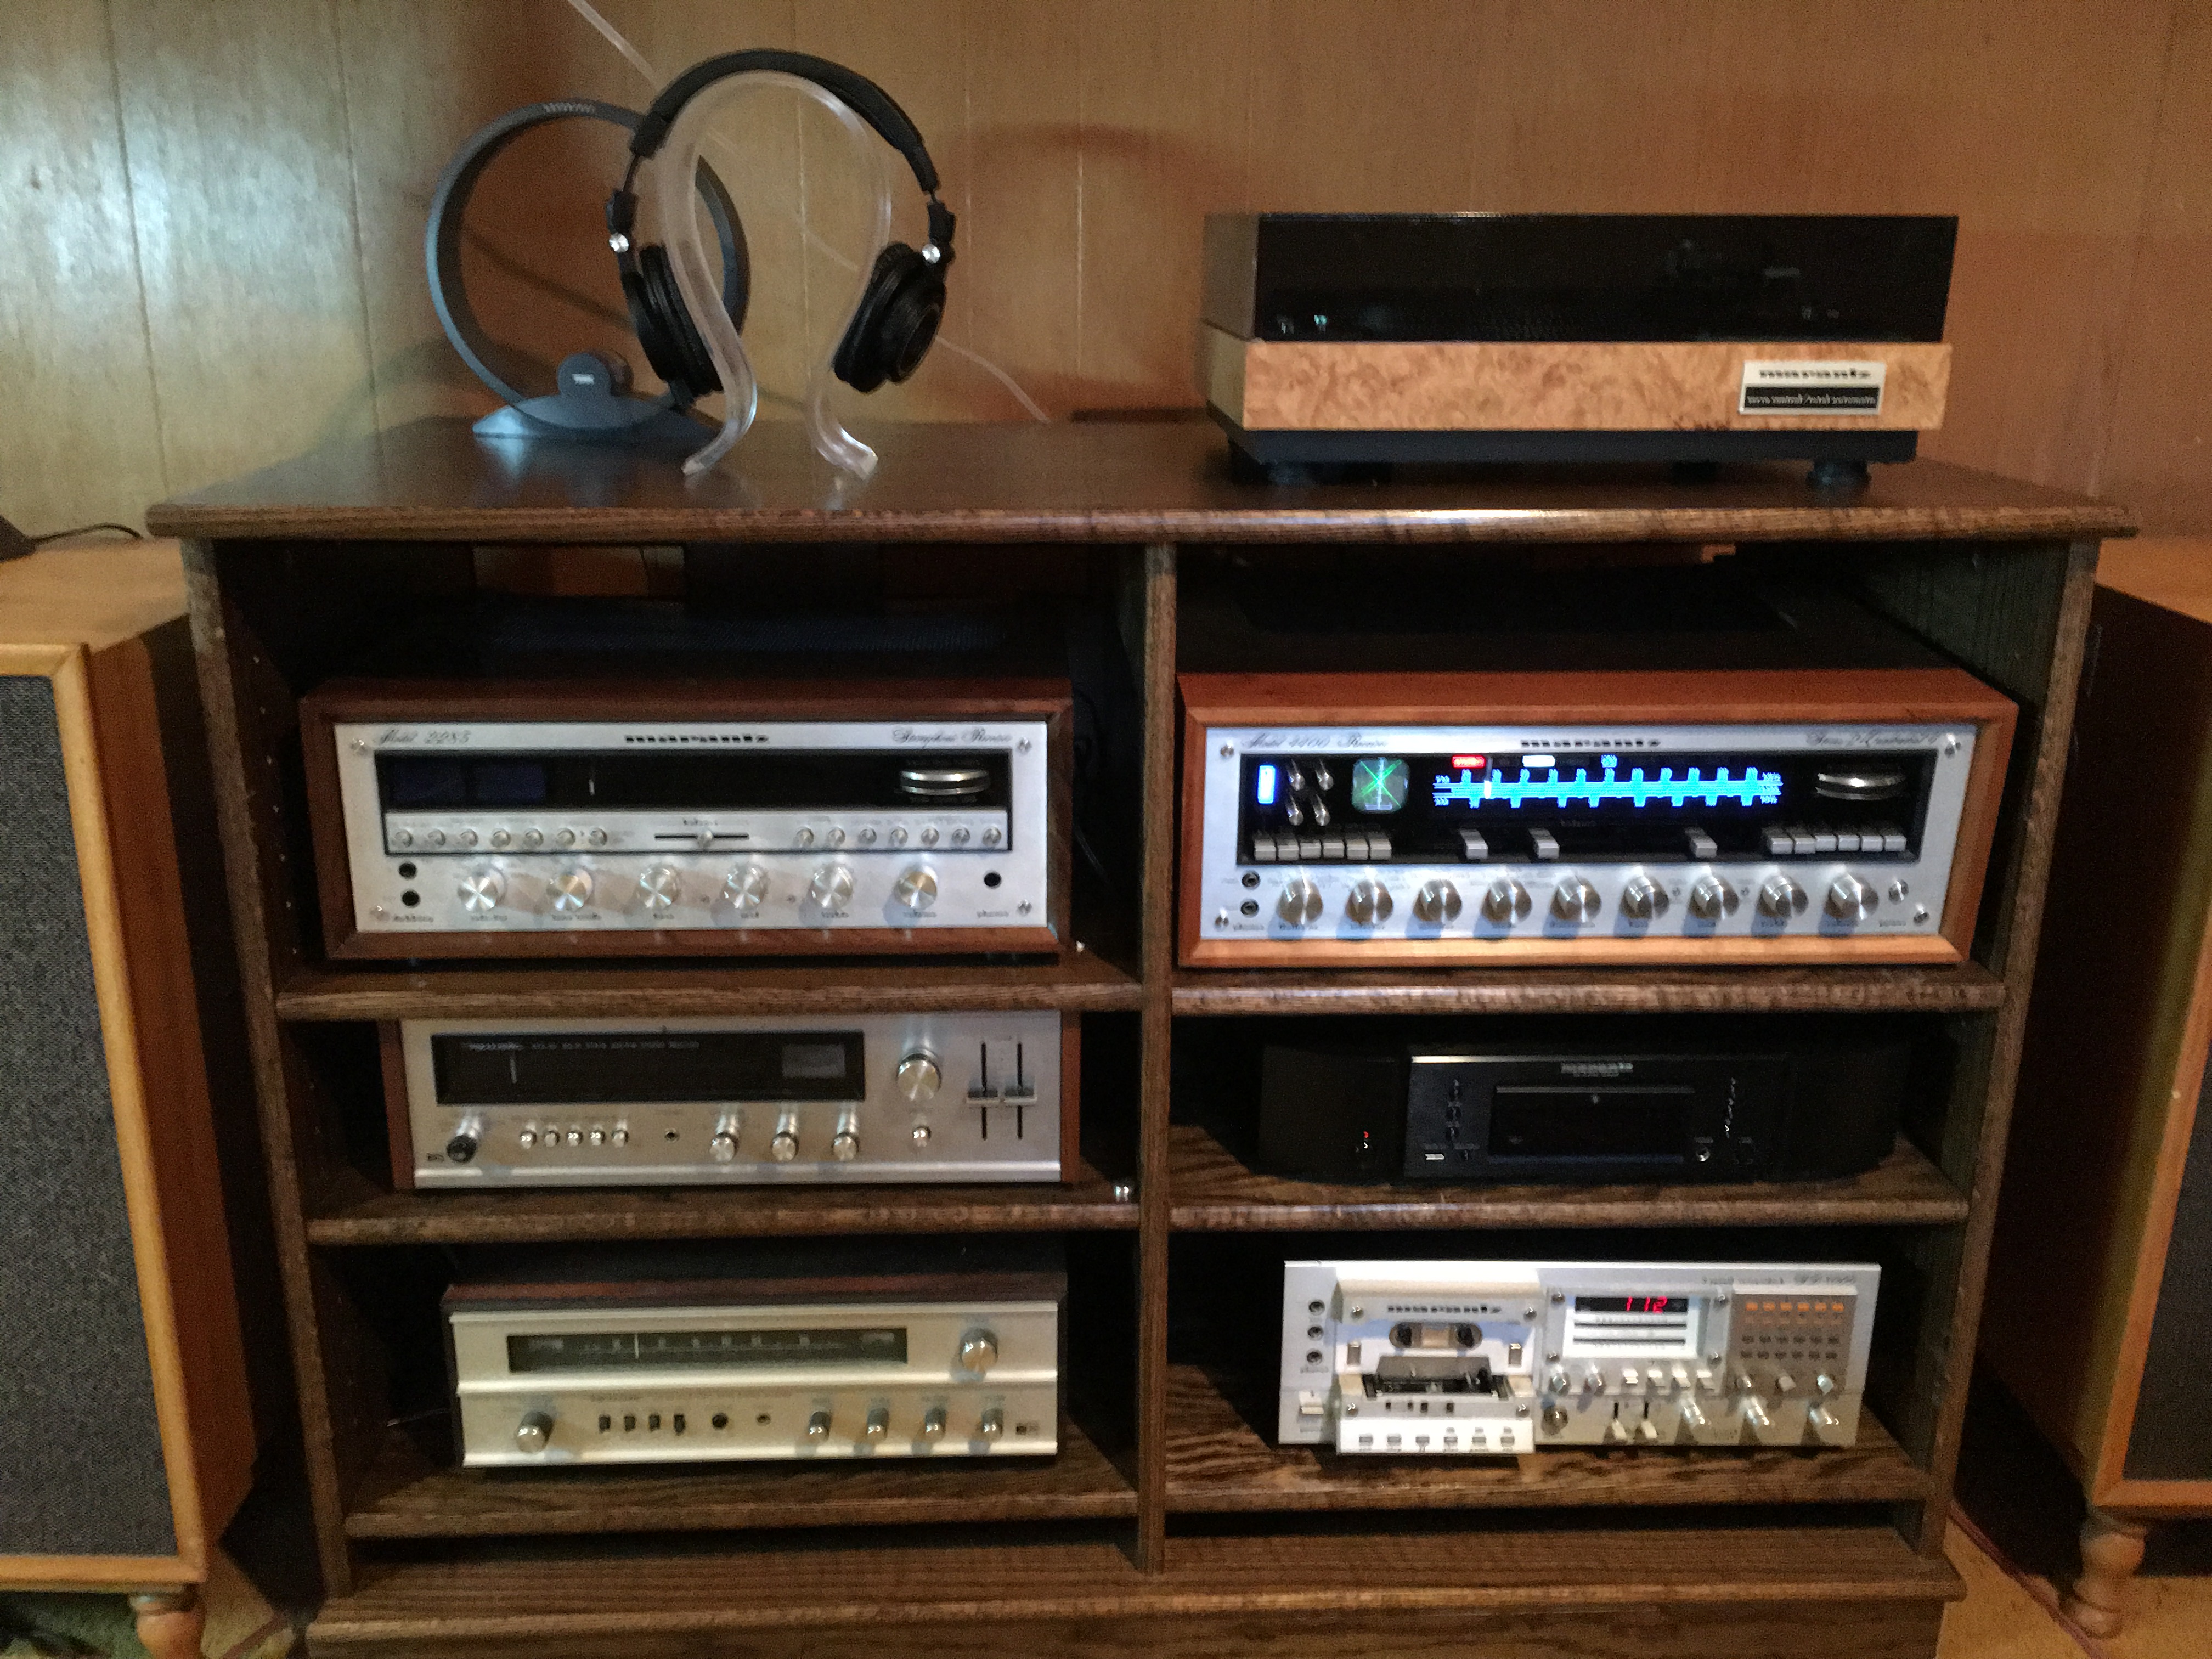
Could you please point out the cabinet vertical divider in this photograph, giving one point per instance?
(1157, 968)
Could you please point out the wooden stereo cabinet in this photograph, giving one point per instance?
(1170, 1523)
(2101, 1292)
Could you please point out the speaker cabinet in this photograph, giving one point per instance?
(2099, 1316)
(126, 1433)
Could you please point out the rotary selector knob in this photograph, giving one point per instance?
(1300, 903)
(482, 891)
(783, 1145)
(1851, 900)
(845, 1145)
(878, 1424)
(535, 1432)
(462, 1148)
(831, 888)
(746, 889)
(1643, 899)
(817, 1426)
(658, 888)
(993, 1424)
(1506, 902)
(932, 1423)
(1555, 1418)
(723, 1147)
(570, 891)
(1576, 901)
(1368, 905)
(1781, 898)
(918, 1076)
(979, 1350)
(917, 888)
(1712, 899)
(1437, 902)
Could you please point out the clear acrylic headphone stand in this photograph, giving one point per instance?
(670, 175)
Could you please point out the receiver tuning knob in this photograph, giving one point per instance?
(979, 1350)
(746, 889)
(570, 891)
(1851, 900)
(918, 1076)
(658, 888)
(1712, 899)
(1300, 903)
(1576, 901)
(831, 888)
(1368, 905)
(1437, 902)
(534, 1432)
(1506, 902)
(1781, 898)
(481, 891)
(1643, 899)
(917, 888)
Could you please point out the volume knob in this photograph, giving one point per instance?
(1437, 902)
(1643, 899)
(534, 1432)
(1576, 901)
(658, 888)
(1851, 900)
(917, 888)
(481, 891)
(919, 1077)
(831, 888)
(1368, 905)
(1781, 898)
(571, 891)
(1300, 903)
(1506, 902)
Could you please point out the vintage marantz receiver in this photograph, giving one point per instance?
(1445, 1358)
(732, 1100)
(598, 817)
(1821, 814)
(1377, 337)
(612, 1357)
(1587, 1101)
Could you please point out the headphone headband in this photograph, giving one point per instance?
(441, 236)
(870, 101)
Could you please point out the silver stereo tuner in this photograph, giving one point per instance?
(737, 1100)
(587, 818)
(1457, 1358)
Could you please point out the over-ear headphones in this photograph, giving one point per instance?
(898, 315)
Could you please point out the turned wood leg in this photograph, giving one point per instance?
(170, 1622)
(2111, 1550)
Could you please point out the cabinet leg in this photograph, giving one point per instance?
(2111, 1550)
(170, 1622)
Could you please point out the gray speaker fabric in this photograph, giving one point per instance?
(81, 1470)
(2172, 1437)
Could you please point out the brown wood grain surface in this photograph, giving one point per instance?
(1096, 482)
(408, 1496)
(1213, 1190)
(1222, 1457)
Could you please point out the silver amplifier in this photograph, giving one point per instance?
(742, 1100)
(887, 1366)
(580, 817)
(1454, 1358)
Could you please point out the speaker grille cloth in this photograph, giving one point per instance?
(2171, 1438)
(81, 1470)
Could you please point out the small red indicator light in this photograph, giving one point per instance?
(1469, 763)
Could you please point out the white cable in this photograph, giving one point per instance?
(615, 38)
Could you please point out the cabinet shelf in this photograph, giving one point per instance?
(1211, 1189)
(1081, 980)
(1967, 987)
(407, 1495)
(360, 1214)
(1222, 1457)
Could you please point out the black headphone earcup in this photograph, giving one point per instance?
(664, 329)
(897, 318)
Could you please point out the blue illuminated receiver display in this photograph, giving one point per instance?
(1547, 784)
(1263, 788)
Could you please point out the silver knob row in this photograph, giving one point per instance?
(660, 889)
(1369, 903)
(783, 1145)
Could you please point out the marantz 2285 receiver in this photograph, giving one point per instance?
(736, 1100)
(1445, 1358)
(1685, 816)
(607, 1357)
(595, 819)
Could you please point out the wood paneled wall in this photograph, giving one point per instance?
(211, 210)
